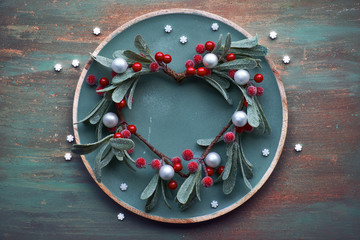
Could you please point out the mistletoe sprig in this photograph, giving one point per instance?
(220, 65)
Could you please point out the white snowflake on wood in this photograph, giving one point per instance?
(123, 187)
(67, 156)
(298, 147)
(70, 138)
(168, 28)
(58, 67)
(75, 63)
(183, 39)
(96, 31)
(273, 35)
(215, 26)
(286, 59)
(265, 152)
(214, 204)
(120, 216)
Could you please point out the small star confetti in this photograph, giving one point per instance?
(286, 59)
(168, 28)
(265, 152)
(298, 147)
(67, 156)
(58, 67)
(273, 35)
(75, 63)
(183, 39)
(120, 216)
(123, 187)
(96, 31)
(214, 204)
(70, 138)
(215, 26)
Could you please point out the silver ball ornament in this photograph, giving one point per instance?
(119, 65)
(242, 77)
(213, 159)
(239, 118)
(110, 120)
(166, 172)
(210, 60)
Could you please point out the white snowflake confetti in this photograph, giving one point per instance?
(298, 147)
(67, 156)
(214, 204)
(286, 59)
(75, 63)
(168, 28)
(96, 31)
(120, 216)
(273, 35)
(183, 39)
(123, 187)
(215, 26)
(70, 138)
(265, 152)
(58, 67)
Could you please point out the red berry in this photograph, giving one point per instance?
(258, 78)
(140, 162)
(154, 67)
(192, 167)
(189, 63)
(167, 58)
(210, 45)
(137, 67)
(248, 128)
(156, 164)
(177, 167)
(200, 48)
(121, 104)
(207, 182)
(208, 71)
(112, 130)
(126, 133)
(104, 81)
(187, 154)
(231, 73)
(220, 170)
(118, 135)
(190, 71)
(113, 74)
(159, 56)
(201, 71)
(239, 129)
(130, 151)
(259, 91)
(99, 93)
(197, 59)
(176, 160)
(172, 185)
(229, 137)
(245, 103)
(210, 171)
(251, 91)
(91, 80)
(230, 57)
(132, 129)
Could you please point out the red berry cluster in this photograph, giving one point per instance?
(160, 57)
(247, 128)
(103, 82)
(252, 90)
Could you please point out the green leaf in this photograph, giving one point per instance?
(107, 158)
(120, 78)
(97, 162)
(229, 183)
(143, 48)
(136, 57)
(120, 54)
(122, 143)
(223, 82)
(95, 118)
(253, 115)
(121, 90)
(107, 89)
(267, 128)
(186, 188)
(99, 129)
(93, 111)
(246, 181)
(245, 43)
(220, 89)
(198, 183)
(231, 152)
(152, 201)
(107, 62)
(129, 162)
(227, 45)
(90, 147)
(190, 202)
(245, 63)
(131, 93)
(119, 154)
(150, 188)
(129, 157)
(163, 187)
(205, 142)
(257, 51)
(218, 45)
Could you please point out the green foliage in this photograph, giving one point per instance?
(90, 147)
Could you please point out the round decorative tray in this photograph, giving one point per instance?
(174, 116)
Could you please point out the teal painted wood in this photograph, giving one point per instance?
(313, 194)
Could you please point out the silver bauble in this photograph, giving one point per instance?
(210, 60)
(110, 120)
(242, 77)
(119, 65)
(239, 118)
(213, 160)
(166, 172)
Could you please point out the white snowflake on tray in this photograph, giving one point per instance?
(214, 204)
(273, 35)
(70, 138)
(298, 147)
(215, 26)
(58, 67)
(168, 28)
(75, 63)
(265, 152)
(67, 156)
(183, 39)
(123, 187)
(96, 31)
(120, 216)
(286, 59)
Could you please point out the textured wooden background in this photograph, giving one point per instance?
(311, 195)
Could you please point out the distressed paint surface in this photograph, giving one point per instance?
(312, 194)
